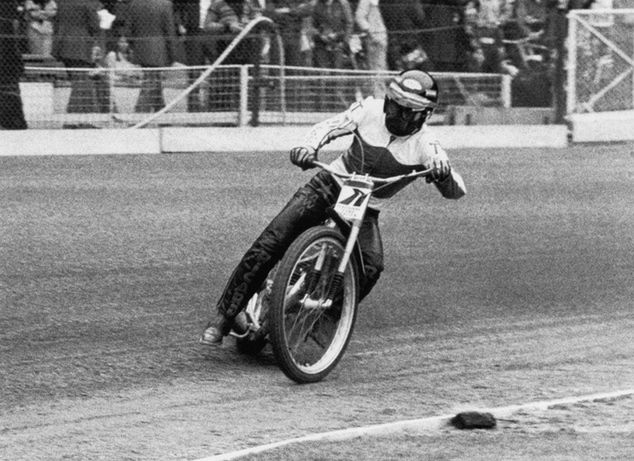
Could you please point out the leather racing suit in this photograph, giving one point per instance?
(374, 151)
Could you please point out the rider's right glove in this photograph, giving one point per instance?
(303, 157)
(440, 166)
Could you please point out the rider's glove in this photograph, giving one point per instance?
(303, 157)
(440, 166)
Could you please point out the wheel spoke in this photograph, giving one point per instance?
(308, 338)
(301, 334)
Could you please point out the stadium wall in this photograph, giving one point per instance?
(603, 126)
(247, 139)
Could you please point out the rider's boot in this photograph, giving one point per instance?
(215, 330)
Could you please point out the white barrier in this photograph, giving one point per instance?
(603, 126)
(79, 142)
(249, 139)
(37, 99)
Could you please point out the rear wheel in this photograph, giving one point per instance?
(252, 343)
(309, 335)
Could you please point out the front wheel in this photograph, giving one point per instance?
(311, 322)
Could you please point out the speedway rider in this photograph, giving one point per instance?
(395, 140)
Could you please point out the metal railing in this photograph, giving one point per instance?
(600, 60)
(237, 95)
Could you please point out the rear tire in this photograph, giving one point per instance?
(252, 344)
(309, 340)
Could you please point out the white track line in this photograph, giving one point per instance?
(428, 424)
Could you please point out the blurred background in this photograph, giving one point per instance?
(114, 63)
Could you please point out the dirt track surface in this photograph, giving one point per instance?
(520, 292)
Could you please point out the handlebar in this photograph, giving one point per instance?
(383, 181)
(374, 179)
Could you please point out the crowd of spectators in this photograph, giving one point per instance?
(491, 36)
(441, 35)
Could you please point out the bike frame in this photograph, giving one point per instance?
(352, 205)
(348, 213)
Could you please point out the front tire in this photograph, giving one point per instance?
(309, 339)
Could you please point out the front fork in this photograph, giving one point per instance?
(352, 204)
(337, 280)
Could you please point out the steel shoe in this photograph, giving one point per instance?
(215, 331)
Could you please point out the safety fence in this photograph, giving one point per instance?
(284, 72)
(600, 61)
(231, 95)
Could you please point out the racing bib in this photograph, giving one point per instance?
(353, 198)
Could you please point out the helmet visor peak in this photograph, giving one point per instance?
(409, 93)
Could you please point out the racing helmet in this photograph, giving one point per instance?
(410, 99)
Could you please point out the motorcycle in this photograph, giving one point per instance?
(308, 304)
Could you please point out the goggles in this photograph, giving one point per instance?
(398, 92)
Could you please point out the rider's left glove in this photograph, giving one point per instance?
(440, 166)
(303, 157)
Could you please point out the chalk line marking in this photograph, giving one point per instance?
(422, 424)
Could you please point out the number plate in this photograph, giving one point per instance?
(353, 199)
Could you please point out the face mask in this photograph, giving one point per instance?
(402, 121)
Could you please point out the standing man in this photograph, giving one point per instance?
(189, 23)
(291, 16)
(288, 15)
(11, 69)
(370, 22)
(404, 20)
(447, 41)
(77, 44)
(152, 33)
(333, 21)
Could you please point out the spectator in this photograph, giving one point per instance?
(370, 22)
(119, 60)
(189, 21)
(251, 9)
(531, 21)
(333, 23)
(307, 42)
(259, 46)
(113, 69)
(476, 59)
(39, 27)
(531, 16)
(152, 32)
(221, 24)
(289, 15)
(76, 43)
(293, 18)
(447, 42)
(226, 18)
(221, 17)
(12, 68)
(100, 77)
(404, 19)
(209, 33)
(533, 28)
(483, 22)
